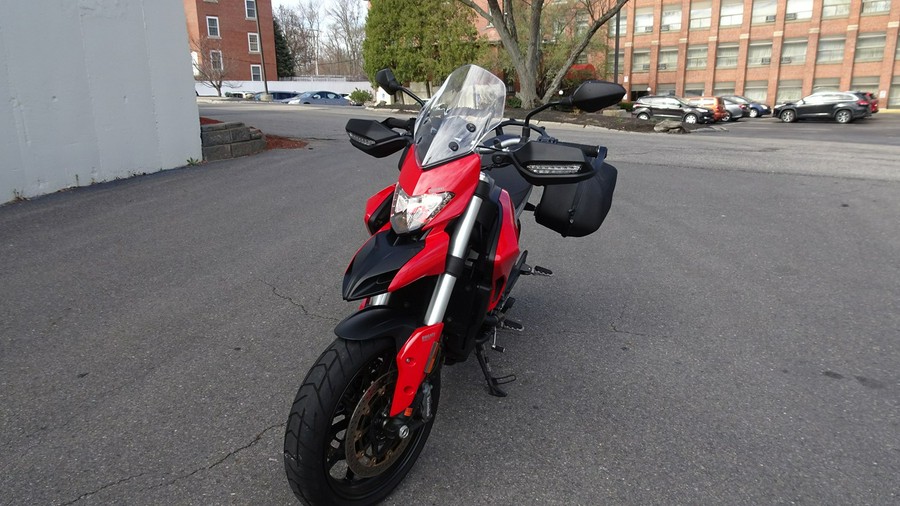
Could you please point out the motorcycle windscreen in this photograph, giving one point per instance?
(464, 110)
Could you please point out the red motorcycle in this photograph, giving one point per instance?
(435, 276)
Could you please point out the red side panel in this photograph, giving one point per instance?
(411, 362)
(431, 261)
(507, 249)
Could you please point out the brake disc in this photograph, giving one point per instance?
(369, 448)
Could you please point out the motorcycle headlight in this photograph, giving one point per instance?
(410, 213)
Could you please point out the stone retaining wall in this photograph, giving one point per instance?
(230, 140)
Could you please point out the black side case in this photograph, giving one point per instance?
(578, 209)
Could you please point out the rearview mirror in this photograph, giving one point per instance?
(592, 96)
(385, 78)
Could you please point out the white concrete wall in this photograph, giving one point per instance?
(92, 91)
(337, 86)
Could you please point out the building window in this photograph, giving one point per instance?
(643, 20)
(253, 42)
(759, 54)
(826, 84)
(668, 59)
(788, 90)
(724, 88)
(665, 89)
(798, 9)
(623, 25)
(894, 94)
(671, 19)
(830, 51)
(693, 89)
(726, 57)
(611, 64)
(640, 61)
(731, 13)
(700, 14)
(757, 90)
(869, 47)
(696, 57)
(836, 8)
(212, 27)
(869, 84)
(215, 61)
(793, 52)
(581, 24)
(250, 7)
(255, 73)
(763, 12)
(876, 6)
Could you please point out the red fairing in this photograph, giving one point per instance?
(376, 200)
(431, 261)
(507, 249)
(459, 176)
(411, 363)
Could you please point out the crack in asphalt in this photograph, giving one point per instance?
(216, 463)
(301, 306)
(104, 487)
(614, 328)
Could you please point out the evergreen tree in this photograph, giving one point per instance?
(420, 40)
(284, 60)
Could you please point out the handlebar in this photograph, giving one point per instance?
(406, 124)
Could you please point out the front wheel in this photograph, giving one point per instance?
(337, 446)
(788, 116)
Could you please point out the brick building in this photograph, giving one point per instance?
(223, 35)
(768, 50)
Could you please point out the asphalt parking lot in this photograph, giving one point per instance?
(882, 128)
(728, 337)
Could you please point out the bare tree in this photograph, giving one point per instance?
(211, 66)
(298, 35)
(525, 48)
(342, 47)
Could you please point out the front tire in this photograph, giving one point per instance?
(788, 116)
(336, 450)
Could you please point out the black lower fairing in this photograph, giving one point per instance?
(376, 264)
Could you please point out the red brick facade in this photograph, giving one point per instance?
(233, 40)
(875, 69)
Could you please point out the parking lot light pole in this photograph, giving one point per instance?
(262, 59)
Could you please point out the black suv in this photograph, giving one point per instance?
(670, 107)
(841, 106)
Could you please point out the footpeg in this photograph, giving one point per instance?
(537, 270)
(512, 325)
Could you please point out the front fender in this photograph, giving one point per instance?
(377, 321)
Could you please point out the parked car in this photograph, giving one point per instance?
(735, 110)
(319, 98)
(755, 109)
(278, 96)
(714, 104)
(841, 106)
(870, 97)
(669, 107)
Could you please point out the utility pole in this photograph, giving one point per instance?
(616, 56)
(262, 58)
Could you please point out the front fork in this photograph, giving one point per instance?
(418, 355)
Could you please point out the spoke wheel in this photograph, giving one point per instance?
(788, 116)
(754, 113)
(690, 119)
(337, 450)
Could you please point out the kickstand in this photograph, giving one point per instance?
(493, 383)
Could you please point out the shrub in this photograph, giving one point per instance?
(628, 106)
(513, 102)
(360, 96)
